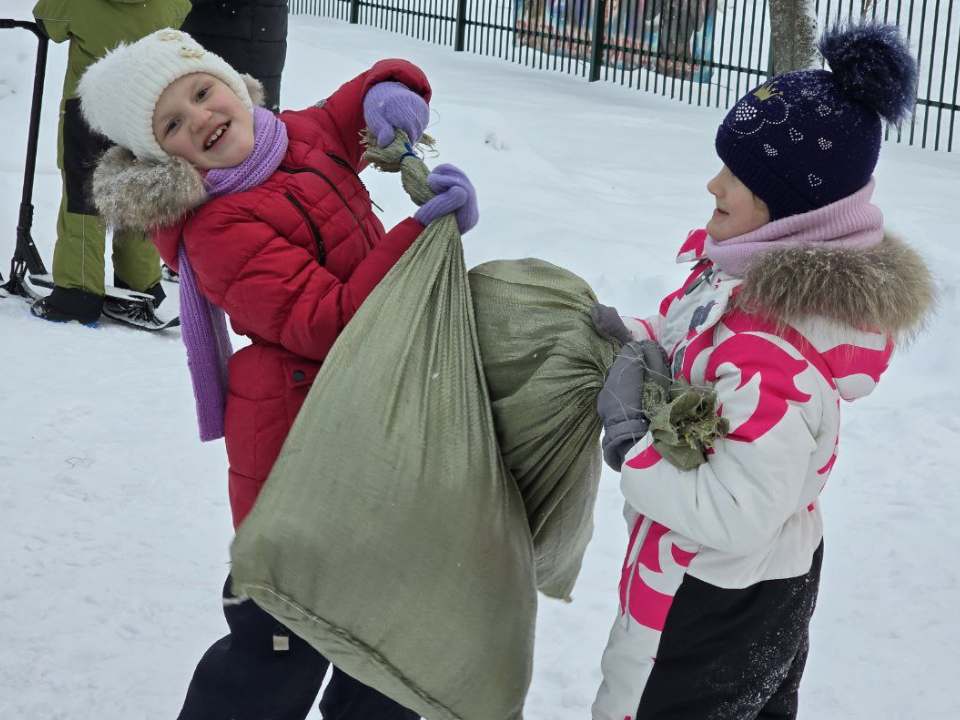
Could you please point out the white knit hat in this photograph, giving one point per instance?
(119, 92)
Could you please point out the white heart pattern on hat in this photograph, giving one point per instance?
(764, 106)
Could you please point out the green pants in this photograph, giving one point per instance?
(81, 237)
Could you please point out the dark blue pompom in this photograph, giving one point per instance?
(872, 64)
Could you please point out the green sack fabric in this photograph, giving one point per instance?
(391, 534)
(684, 422)
(545, 365)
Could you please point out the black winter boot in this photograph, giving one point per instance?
(156, 290)
(69, 305)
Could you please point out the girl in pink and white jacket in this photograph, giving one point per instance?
(794, 303)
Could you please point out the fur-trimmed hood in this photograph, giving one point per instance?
(886, 288)
(131, 194)
(134, 195)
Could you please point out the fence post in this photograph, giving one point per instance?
(598, 40)
(460, 41)
(354, 12)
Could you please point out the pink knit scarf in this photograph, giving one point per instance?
(853, 222)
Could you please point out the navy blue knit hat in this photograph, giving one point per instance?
(806, 139)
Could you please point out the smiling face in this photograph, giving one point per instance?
(738, 210)
(199, 118)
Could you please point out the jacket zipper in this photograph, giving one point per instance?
(297, 171)
(321, 251)
(705, 276)
(345, 164)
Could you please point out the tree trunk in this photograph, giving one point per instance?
(793, 36)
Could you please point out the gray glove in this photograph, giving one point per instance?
(620, 402)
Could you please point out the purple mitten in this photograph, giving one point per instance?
(454, 194)
(389, 106)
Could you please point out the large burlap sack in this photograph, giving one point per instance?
(389, 535)
(545, 364)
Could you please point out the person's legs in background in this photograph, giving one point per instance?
(78, 254)
(136, 265)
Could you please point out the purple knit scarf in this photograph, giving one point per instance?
(853, 222)
(203, 324)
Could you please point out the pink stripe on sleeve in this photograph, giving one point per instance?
(646, 459)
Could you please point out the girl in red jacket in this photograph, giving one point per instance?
(265, 217)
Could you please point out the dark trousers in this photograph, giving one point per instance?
(262, 671)
(733, 654)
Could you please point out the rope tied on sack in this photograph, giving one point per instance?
(413, 172)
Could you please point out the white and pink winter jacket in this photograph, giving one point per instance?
(751, 512)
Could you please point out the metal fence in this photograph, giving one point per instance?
(707, 52)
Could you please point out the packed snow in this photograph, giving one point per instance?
(114, 523)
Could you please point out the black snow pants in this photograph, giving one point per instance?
(733, 654)
(262, 671)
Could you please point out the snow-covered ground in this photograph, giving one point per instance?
(114, 525)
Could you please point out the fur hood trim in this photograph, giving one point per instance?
(134, 195)
(131, 194)
(886, 288)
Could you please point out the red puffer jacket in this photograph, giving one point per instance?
(290, 261)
